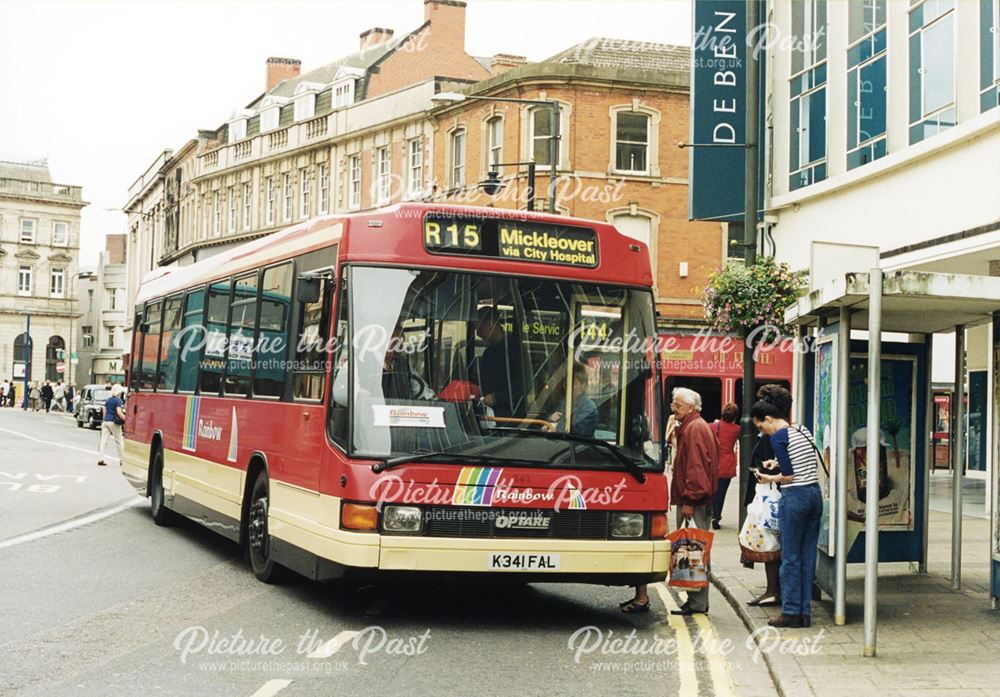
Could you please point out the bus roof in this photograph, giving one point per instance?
(378, 237)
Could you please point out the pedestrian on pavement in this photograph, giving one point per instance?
(692, 489)
(59, 397)
(761, 460)
(799, 513)
(47, 394)
(114, 419)
(727, 431)
(34, 394)
(12, 395)
(4, 387)
(70, 398)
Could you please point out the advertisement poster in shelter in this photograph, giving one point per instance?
(824, 427)
(896, 441)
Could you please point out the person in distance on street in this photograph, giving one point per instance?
(727, 430)
(114, 419)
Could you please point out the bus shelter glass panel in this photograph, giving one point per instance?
(502, 368)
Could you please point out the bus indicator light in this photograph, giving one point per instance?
(361, 517)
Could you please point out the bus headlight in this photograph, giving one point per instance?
(401, 519)
(626, 524)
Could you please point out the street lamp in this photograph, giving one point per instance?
(550, 104)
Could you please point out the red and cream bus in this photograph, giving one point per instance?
(418, 388)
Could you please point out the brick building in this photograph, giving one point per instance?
(39, 255)
(365, 131)
(623, 109)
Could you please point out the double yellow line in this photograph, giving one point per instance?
(718, 667)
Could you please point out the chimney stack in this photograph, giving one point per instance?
(447, 18)
(375, 36)
(502, 62)
(279, 69)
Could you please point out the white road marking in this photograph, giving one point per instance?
(685, 649)
(72, 524)
(334, 645)
(271, 688)
(55, 444)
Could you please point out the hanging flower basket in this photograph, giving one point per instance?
(739, 299)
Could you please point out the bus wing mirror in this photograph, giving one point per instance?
(144, 327)
(307, 290)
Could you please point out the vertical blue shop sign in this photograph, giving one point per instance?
(718, 114)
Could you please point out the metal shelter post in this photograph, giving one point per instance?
(799, 377)
(838, 509)
(958, 459)
(925, 505)
(872, 457)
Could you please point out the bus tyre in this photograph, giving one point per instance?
(258, 538)
(161, 514)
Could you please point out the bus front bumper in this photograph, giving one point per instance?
(583, 561)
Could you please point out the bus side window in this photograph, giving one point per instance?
(241, 329)
(192, 335)
(214, 355)
(136, 357)
(168, 351)
(271, 342)
(151, 346)
(310, 348)
(339, 391)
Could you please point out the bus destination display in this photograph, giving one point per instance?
(516, 240)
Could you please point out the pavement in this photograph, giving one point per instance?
(930, 640)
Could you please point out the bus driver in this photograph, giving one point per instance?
(499, 368)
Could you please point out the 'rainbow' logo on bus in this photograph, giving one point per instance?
(475, 486)
(233, 440)
(191, 423)
(576, 500)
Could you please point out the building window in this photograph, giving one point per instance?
(932, 68)
(87, 336)
(458, 159)
(541, 132)
(303, 193)
(989, 48)
(343, 94)
(246, 205)
(494, 141)
(217, 223)
(415, 167)
(866, 83)
(28, 226)
(24, 280)
(231, 218)
(60, 233)
(111, 337)
(807, 161)
(305, 107)
(324, 189)
(237, 130)
(383, 178)
(354, 186)
(112, 299)
(286, 187)
(272, 199)
(57, 283)
(269, 119)
(632, 142)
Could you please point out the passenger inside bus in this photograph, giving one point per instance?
(584, 415)
(498, 369)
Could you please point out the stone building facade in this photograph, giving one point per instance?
(39, 255)
(101, 326)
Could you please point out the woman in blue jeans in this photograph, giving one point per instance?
(800, 511)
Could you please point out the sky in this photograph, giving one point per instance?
(100, 89)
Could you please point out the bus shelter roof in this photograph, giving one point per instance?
(913, 302)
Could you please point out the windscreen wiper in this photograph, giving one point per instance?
(628, 462)
(447, 457)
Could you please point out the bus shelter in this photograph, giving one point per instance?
(870, 404)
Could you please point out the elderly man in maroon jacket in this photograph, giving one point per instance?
(696, 476)
(692, 490)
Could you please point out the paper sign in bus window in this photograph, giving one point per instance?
(411, 417)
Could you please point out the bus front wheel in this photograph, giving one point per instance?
(161, 514)
(258, 538)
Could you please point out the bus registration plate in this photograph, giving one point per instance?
(524, 562)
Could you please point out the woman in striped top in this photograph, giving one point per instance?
(799, 514)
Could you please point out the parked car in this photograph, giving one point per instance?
(90, 408)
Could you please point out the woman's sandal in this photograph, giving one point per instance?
(632, 606)
(765, 601)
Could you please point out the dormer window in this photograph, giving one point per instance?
(237, 130)
(269, 118)
(343, 94)
(305, 100)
